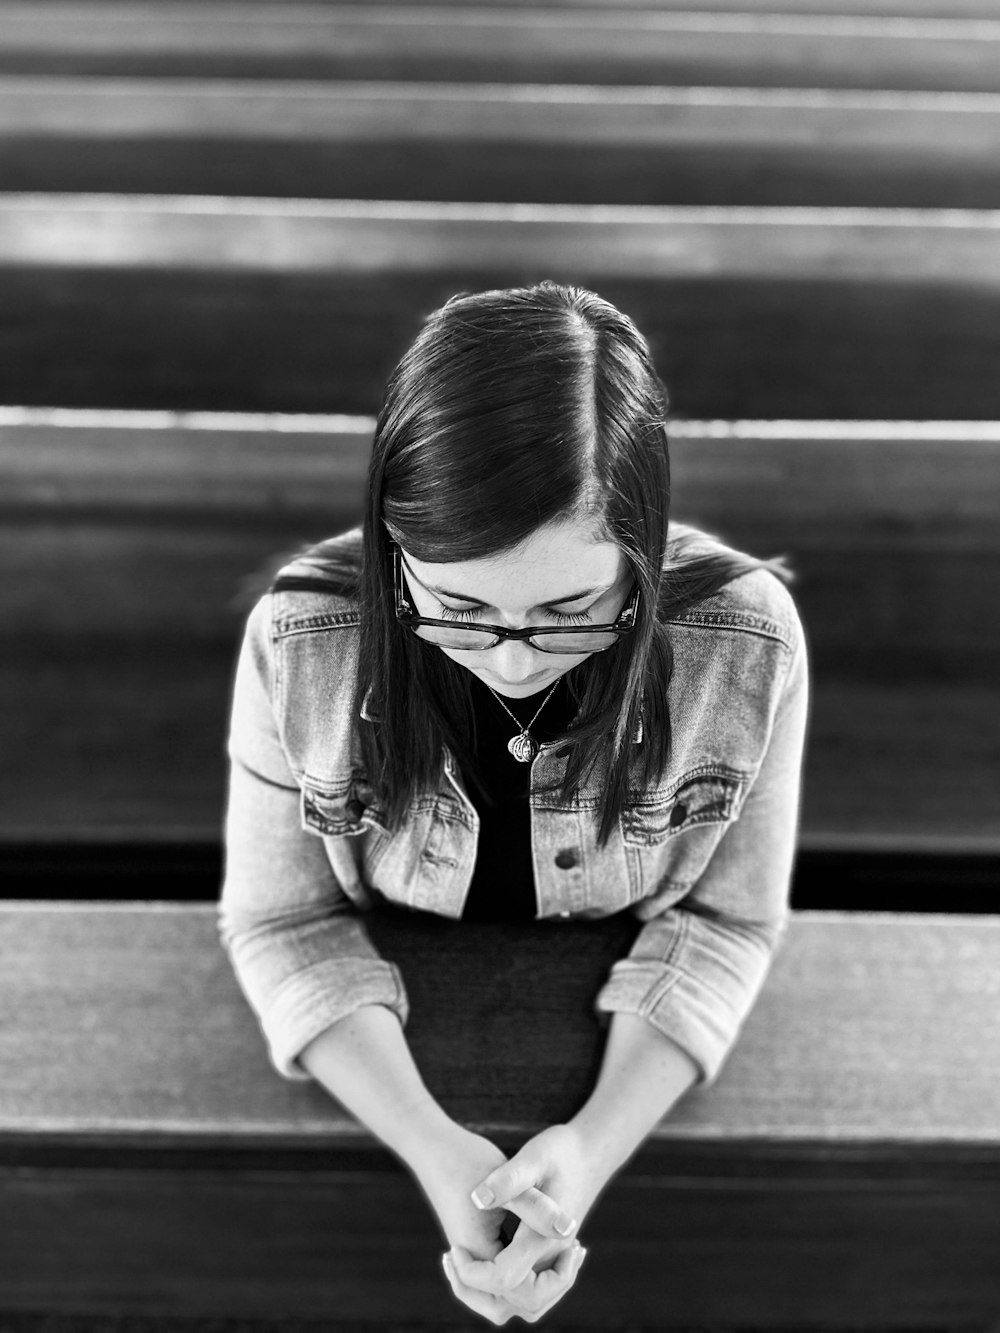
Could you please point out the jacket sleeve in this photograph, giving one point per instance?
(695, 970)
(301, 956)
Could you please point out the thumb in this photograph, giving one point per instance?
(515, 1176)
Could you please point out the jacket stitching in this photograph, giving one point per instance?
(660, 796)
(277, 682)
(742, 622)
(285, 626)
(745, 621)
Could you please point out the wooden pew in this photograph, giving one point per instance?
(897, 9)
(292, 305)
(151, 1162)
(562, 44)
(511, 143)
(131, 544)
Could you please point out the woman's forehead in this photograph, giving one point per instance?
(553, 564)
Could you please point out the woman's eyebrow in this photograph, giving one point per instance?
(542, 606)
(477, 601)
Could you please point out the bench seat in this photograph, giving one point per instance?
(152, 1162)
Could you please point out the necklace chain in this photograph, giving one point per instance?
(523, 746)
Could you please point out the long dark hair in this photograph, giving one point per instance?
(513, 409)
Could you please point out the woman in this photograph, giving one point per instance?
(515, 694)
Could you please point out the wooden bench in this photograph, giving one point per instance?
(898, 9)
(531, 143)
(132, 542)
(843, 1171)
(521, 43)
(278, 305)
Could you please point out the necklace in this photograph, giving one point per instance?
(523, 746)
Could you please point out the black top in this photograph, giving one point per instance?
(503, 881)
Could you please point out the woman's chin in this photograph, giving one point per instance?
(519, 689)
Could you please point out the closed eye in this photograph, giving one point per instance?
(474, 613)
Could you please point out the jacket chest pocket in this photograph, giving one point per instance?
(416, 864)
(697, 799)
(673, 832)
(347, 810)
(343, 810)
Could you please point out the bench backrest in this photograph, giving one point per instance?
(536, 144)
(136, 545)
(893, 44)
(277, 305)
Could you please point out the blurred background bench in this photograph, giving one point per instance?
(883, 45)
(133, 543)
(305, 306)
(501, 142)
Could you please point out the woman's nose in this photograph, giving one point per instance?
(515, 660)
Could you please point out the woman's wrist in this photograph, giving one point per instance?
(643, 1074)
(602, 1145)
(429, 1138)
(440, 1145)
(363, 1060)
(591, 1149)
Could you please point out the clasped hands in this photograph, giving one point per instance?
(548, 1186)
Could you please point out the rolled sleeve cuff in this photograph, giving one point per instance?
(316, 997)
(700, 993)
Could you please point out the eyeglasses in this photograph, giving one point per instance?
(477, 638)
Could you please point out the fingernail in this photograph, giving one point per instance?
(483, 1196)
(566, 1228)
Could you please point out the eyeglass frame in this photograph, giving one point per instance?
(624, 622)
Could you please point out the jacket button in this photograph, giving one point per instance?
(566, 859)
(355, 808)
(678, 815)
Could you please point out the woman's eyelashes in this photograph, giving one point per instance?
(475, 612)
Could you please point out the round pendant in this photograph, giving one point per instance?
(523, 747)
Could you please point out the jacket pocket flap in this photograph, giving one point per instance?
(701, 798)
(339, 813)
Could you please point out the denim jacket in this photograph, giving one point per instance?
(703, 857)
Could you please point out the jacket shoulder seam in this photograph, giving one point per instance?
(287, 621)
(742, 622)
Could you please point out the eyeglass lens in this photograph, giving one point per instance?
(470, 639)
